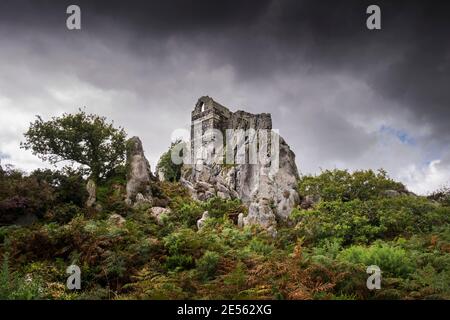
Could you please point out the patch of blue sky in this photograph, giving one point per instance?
(403, 136)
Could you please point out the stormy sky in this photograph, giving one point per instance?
(341, 95)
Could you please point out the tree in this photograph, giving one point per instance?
(86, 139)
(171, 171)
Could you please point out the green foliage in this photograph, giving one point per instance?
(63, 213)
(260, 246)
(21, 195)
(359, 221)
(183, 247)
(217, 207)
(320, 253)
(341, 185)
(391, 260)
(188, 213)
(14, 287)
(86, 139)
(68, 185)
(442, 196)
(171, 170)
(207, 265)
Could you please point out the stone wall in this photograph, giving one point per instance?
(270, 195)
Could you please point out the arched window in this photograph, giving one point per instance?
(202, 107)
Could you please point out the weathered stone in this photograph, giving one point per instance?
(240, 222)
(139, 175)
(391, 193)
(91, 189)
(201, 221)
(160, 175)
(309, 201)
(223, 195)
(248, 182)
(142, 201)
(159, 212)
(117, 220)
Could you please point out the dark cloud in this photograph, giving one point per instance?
(328, 81)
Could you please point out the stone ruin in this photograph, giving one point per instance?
(269, 194)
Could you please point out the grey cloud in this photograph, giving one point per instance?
(328, 81)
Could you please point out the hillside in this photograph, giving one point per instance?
(321, 252)
(197, 232)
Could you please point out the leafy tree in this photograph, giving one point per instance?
(342, 185)
(86, 139)
(171, 171)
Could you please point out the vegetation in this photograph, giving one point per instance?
(170, 170)
(86, 139)
(321, 252)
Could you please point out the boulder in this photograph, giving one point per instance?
(117, 220)
(240, 222)
(91, 189)
(391, 193)
(201, 221)
(158, 212)
(139, 176)
(161, 175)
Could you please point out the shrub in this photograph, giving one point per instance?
(13, 286)
(20, 195)
(63, 213)
(68, 185)
(188, 213)
(391, 260)
(359, 221)
(335, 185)
(218, 207)
(183, 247)
(207, 265)
(441, 195)
(170, 170)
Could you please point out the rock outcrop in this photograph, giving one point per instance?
(267, 186)
(139, 176)
(201, 221)
(91, 189)
(116, 220)
(159, 212)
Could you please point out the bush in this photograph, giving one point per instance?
(359, 221)
(188, 213)
(207, 265)
(13, 286)
(23, 195)
(218, 207)
(170, 170)
(391, 260)
(64, 213)
(441, 195)
(183, 247)
(68, 185)
(341, 185)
